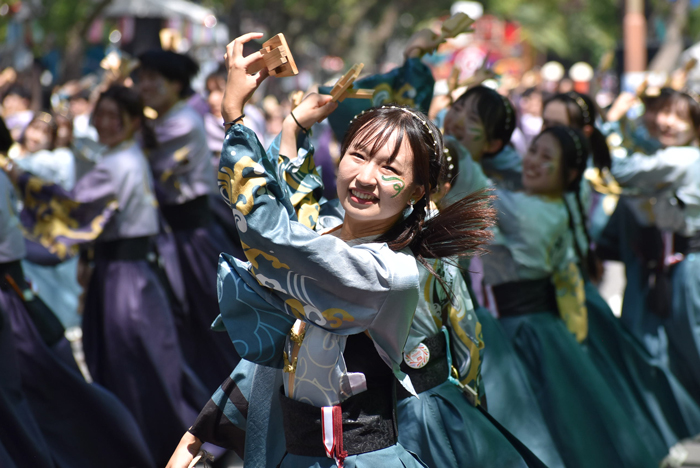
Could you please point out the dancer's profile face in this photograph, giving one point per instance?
(542, 167)
(464, 124)
(375, 189)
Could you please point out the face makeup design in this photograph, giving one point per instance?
(399, 184)
(476, 132)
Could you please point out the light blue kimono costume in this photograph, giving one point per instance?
(57, 285)
(509, 396)
(293, 272)
(671, 175)
(442, 426)
(532, 242)
(647, 388)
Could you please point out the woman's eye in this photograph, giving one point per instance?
(391, 169)
(358, 155)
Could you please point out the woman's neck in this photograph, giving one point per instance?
(353, 229)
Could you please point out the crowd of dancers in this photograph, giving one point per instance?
(441, 309)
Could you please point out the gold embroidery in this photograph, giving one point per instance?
(251, 254)
(571, 299)
(334, 320)
(237, 185)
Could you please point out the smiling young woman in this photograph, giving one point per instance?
(351, 293)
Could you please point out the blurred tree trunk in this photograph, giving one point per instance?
(670, 51)
(370, 42)
(73, 57)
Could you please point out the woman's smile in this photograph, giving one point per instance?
(362, 198)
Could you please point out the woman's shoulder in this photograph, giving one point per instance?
(400, 266)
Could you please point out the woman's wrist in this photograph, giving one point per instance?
(193, 443)
(289, 125)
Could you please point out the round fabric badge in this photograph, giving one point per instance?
(418, 357)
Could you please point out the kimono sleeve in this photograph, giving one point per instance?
(61, 220)
(320, 279)
(652, 173)
(299, 177)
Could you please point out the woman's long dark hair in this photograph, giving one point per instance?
(461, 228)
(130, 102)
(495, 111)
(582, 111)
(574, 150)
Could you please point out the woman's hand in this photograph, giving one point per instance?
(622, 104)
(422, 42)
(239, 84)
(314, 108)
(185, 452)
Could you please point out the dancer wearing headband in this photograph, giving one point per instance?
(184, 182)
(64, 420)
(650, 391)
(483, 122)
(536, 288)
(352, 291)
(670, 175)
(509, 396)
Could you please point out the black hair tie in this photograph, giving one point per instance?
(305, 130)
(235, 121)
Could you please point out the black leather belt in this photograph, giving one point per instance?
(189, 215)
(525, 297)
(136, 248)
(368, 424)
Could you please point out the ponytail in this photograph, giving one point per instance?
(460, 229)
(599, 149)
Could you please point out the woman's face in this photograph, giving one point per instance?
(463, 123)
(542, 171)
(37, 137)
(214, 101)
(157, 91)
(374, 190)
(555, 113)
(113, 126)
(674, 129)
